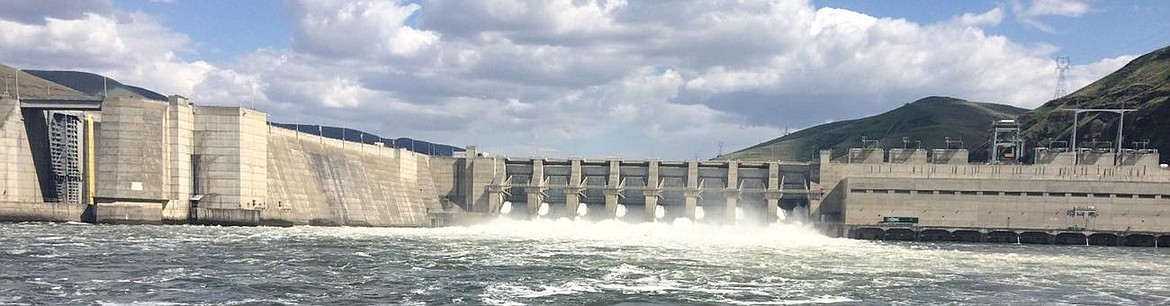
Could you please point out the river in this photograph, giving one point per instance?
(551, 262)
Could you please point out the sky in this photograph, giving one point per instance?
(584, 78)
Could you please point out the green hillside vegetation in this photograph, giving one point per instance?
(1143, 84)
(927, 122)
(96, 85)
(34, 87)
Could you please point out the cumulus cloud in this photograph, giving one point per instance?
(592, 78)
(129, 46)
(1029, 14)
(359, 29)
(37, 12)
(992, 17)
(1068, 8)
(616, 78)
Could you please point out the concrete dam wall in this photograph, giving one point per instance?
(19, 177)
(157, 162)
(315, 180)
(173, 162)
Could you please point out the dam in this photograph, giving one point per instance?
(635, 190)
(132, 160)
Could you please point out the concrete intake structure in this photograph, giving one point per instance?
(1099, 200)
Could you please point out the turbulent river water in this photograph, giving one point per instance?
(551, 262)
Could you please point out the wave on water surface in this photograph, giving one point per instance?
(552, 261)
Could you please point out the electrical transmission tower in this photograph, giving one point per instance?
(1062, 67)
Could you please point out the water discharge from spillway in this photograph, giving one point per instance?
(659, 212)
(676, 233)
(700, 213)
(799, 213)
(781, 215)
(621, 211)
(583, 210)
(542, 210)
(506, 208)
(739, 213)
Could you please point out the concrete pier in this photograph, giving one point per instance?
(652, 192)
(613, 189)
(535, 188)
(573, 189)
(495, 198)
(693, 191)
(773, 194)
(731, 193)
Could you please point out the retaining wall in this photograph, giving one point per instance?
(49, 212)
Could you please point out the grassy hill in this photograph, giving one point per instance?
(929, 120)
(34, 87)
(96, 85)
(1142, 84)
(353, 135)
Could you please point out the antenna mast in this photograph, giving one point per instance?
(1062, 67)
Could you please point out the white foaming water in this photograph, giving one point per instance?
(104, 303)
(621, 211)
(781, 214)
(700, 213)
(680, 233)
(542, 210)
(659, 212)
(800, 213)
(566, 261)
(506, 208)
(739, 213)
